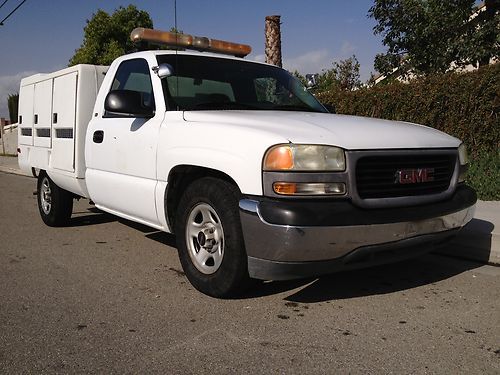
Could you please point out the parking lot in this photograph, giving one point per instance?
(106, 295)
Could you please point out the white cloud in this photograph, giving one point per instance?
(10, 85)
(310, 62)
(259, 58)
(347, 49)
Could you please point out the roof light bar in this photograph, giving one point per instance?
(197, 43)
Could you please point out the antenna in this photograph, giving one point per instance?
(176, 50)
(175, 15)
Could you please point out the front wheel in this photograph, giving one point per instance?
(209, 238)
(55, 204)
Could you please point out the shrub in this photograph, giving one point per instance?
(484, 176)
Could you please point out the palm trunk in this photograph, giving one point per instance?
(273, 40)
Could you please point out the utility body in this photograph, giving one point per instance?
(253, 175)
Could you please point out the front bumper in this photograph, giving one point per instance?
(286, 240)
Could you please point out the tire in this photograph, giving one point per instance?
(55, 204)
(210, 240)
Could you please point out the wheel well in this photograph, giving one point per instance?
(179, 178)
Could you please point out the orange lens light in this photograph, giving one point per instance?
(309, 188)
(161, 37)
(188, 41)
(278, 158)
(285, 188)
(221, 46)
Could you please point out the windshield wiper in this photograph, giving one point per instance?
(222, 105)
(292, 107)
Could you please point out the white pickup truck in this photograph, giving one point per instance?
(253, 175)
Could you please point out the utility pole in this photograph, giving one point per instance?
(273, 40)
(2, 135)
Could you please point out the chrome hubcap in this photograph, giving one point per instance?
(46, 196)
(205, 238)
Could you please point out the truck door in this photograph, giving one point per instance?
(121, 151)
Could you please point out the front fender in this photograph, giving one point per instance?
(244, 170)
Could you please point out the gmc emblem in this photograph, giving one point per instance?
(414, 176)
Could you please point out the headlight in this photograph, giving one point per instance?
(464, 161)
(462, 154)
(291, 157)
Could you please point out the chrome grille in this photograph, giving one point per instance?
(376, 174)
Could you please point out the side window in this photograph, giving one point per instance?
(134, 75)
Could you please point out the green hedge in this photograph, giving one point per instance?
(484, 176)
(465, 105)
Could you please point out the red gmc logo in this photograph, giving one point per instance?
(414, 176)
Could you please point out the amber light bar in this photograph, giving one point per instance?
(197, 43)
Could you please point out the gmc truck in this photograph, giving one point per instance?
(253, 175)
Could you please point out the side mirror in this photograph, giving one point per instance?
(311, 80)
(163, 70)
(127, 103)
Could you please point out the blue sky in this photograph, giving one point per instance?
(42, 35)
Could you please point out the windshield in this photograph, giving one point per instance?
(209, 83)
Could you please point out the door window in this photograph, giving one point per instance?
(134, 75)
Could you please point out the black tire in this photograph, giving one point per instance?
(218, 276)
(55, 204)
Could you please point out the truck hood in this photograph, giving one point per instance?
(348, 132)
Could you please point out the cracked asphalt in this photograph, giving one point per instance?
(105, 295)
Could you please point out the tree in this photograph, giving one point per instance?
(430, 35)
(13, 105)
(344, 75)
(108, 36)
(481, 40)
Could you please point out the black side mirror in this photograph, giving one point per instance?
(127, 103)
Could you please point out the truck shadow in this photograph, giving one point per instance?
(428, 269)
(90, 216)
(425, 270)
(474, 240)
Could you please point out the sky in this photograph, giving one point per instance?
(41, 36)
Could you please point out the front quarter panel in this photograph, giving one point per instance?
(235, 151)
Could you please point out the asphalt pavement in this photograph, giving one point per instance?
(105, 295)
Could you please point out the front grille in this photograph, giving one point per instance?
(376, 175)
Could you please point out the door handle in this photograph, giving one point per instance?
(98, 136)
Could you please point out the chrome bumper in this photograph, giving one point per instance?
(280, 244)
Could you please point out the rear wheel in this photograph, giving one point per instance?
(209, 238)
(55, 204)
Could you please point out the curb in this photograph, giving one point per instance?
(15, 171)
(480, 239)
(476, 246)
